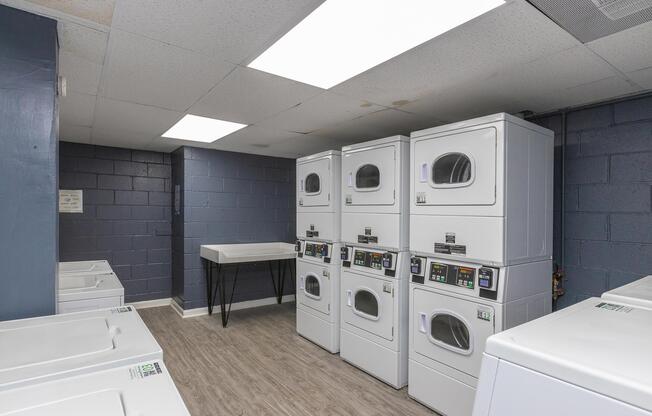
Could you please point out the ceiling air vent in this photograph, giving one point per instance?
(617, 9)
(588, 20)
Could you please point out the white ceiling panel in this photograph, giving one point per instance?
(94, 11)
(81, 75)
(319, 112)
(642, 77)
(141, 119)
(77, 109)
(149, 72)
(255, 136)
(230, 30)
(508, 35)
(76, 134)
(629, 50)
(600, 90)
(248, 96)
(307, 144)
(83, 42)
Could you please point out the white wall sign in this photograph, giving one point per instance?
(71, 201)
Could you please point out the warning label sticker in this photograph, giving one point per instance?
(121, 309)
(614, 307)
(145, 370)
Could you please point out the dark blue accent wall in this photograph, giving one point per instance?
(28, 164)
(230, 198)
(127, 215)
(607, 215)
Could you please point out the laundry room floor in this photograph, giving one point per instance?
(258, 365)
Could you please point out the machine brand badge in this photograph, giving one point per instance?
(450, 238)
(145, 370)
(387, 287)
(484, 315)
(421, 197)
(348, 199)
(614, 307)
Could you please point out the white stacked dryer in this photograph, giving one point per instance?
(375, 259)
(318, 248)
(481, 242)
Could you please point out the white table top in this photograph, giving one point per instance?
(247, 252)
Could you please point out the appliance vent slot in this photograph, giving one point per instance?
(589, 20)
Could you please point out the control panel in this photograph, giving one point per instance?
(382, 261)
(315, 250)
(467, 276)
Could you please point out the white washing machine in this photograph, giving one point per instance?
(483, 190)
(638, 293)
(375, 180)
(374, 312)
(84, 292)
(318, 293)
(454, 307)
(36, 350)
(143, 389)
(86, 267)
(592, 358)
(318, 196)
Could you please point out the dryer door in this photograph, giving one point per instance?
(450, 330)
(314, 288)
(369, 176)
(313, 183)
(458, 169)
(368, 304)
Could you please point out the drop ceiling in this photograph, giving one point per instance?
(135, 68)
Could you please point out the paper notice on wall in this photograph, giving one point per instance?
(71, 201)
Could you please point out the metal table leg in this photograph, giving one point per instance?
(224, 310)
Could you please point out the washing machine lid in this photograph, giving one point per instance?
(139, 389)
(603, 347)
(637, 293)
(52, 347)
(81, 286)
(90, 266)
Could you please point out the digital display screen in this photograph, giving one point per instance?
(439, 272)
(359, 258)
(453, 275)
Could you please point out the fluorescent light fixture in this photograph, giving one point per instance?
(343, 38)
(201, 129)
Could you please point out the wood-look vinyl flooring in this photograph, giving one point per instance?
(259, 365)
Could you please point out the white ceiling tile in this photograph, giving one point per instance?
(100, 12)
(77, 109)
(231, 30)
(597, 91)
(642, 77)
(141, 119)
(629, 50)
(76, 134)
(83, 42)
(81, 75)
(305, 145)
(319, 112)
(149, 72)
(508, 35)
(249, 96)
(256, 136)
(118, 137)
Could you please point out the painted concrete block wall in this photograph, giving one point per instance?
(234, 198)
(608, 203)
(28, 164)
(127, 215)
(178, 177)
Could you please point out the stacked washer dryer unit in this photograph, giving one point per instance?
(375, 260)
(481, 241)
(318, 248)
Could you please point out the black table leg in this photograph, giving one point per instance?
(225, 310)
(209, 286)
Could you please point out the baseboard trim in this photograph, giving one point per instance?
(191, 313)
(154, 303)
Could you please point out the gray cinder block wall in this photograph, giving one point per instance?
(28, 164)
(127, 215)
(607, 214)
(230, 198)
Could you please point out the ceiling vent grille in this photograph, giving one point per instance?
(588, 20)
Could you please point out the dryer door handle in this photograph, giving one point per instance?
(301, 185)
(350, 179)
(348, 298)
(423, 318)
(302, 283)
(423, 174)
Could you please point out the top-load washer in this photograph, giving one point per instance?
(86, 267)
(36, 350)
(84, 292)
(591, 358)
(638, 293)
(318, 196)
(375, 180)
(143, 389)
(482, 191)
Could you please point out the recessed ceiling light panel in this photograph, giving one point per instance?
(201, 129)
(343, 38)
